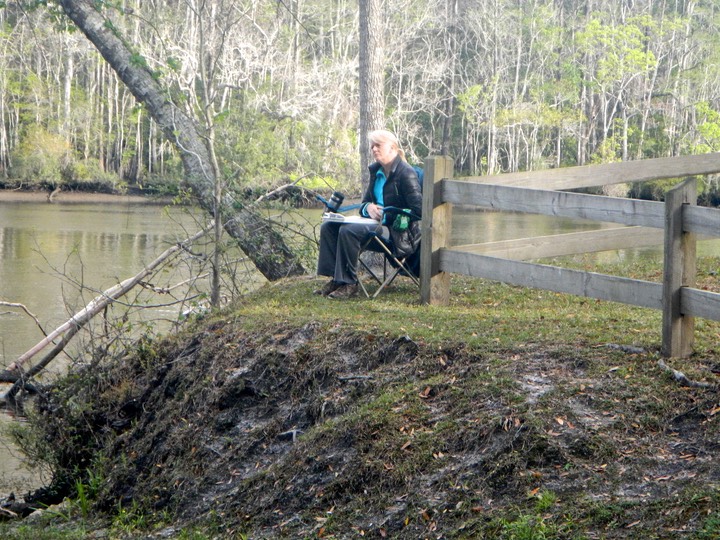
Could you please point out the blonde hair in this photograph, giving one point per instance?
(380, 136)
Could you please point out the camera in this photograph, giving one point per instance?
(335, 201)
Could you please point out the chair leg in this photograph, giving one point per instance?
(398, 265)
(388, 281)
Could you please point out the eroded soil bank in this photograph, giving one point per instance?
(313, 431)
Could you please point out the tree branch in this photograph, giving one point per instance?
(100, 302)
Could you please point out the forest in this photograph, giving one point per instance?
(499, 85)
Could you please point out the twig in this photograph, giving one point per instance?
(680, 377)
(27, 311)
(355, 378)
(166, 290)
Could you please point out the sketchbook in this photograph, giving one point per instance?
(339, 218)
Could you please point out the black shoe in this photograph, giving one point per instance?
(343, 292)
(329, 287)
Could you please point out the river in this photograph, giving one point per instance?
(46, 249)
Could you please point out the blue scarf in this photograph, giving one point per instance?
(380, 180)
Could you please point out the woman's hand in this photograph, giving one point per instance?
(374, 211)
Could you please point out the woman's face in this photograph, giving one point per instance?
(383, 152)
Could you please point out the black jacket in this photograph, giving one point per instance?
(401, 190)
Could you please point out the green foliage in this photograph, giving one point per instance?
(527, 527)
(35, 532)
(258, 151)
(545, 501)
(173, 63)
(621, 49)
(710, 528)
(40, 158)
(138, 60)
(709, 128)
(87, 175)
(130, 520)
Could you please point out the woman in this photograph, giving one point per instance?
(393, 183)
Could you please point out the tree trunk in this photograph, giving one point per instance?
(264, 246)
(372, 96)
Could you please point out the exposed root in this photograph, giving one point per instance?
(680, 377)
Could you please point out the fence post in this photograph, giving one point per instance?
(680, 267)
(436, 222)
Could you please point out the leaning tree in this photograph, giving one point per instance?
(254, 234)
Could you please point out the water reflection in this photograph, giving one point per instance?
(46, 250)
(471, 226)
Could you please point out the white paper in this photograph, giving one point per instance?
(339, 218)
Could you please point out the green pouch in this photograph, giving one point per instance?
(401, 222)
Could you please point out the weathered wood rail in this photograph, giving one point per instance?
(676, 224)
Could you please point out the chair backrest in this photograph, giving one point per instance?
(420, 173)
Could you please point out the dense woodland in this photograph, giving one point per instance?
(500, 85)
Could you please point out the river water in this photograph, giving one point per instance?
(46, 249)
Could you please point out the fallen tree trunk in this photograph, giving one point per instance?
(263, 245)
(67, 330)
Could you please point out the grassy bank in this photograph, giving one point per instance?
(511, 414)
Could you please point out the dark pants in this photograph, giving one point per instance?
(340, 246)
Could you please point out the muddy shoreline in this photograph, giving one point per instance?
(71, 197)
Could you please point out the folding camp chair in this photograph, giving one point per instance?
(392, 266)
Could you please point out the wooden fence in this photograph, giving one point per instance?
(676, 224)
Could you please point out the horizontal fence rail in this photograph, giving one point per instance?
(676, 223)
(554, 203)
(608, 173)
(558, 245)
(553, 278)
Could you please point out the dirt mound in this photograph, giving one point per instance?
(312, 432)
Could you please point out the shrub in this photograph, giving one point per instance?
(87, 175)
(40, 158)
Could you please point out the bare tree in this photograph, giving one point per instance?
(254, 234)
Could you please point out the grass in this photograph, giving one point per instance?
(482, 314)
(505, 377)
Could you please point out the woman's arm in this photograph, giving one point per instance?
(410, 190)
